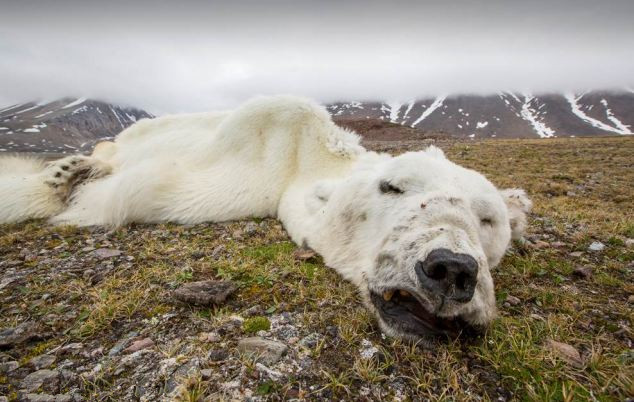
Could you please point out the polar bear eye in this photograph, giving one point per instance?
(387, 188)
(486, 222)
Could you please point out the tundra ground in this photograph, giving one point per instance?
(101, 322)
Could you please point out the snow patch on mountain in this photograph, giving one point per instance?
(435, 105)
(532, 115)
(577, 110)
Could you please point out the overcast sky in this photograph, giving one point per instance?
(175, 56)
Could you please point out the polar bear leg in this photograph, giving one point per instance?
(63, 174)
(31, 188)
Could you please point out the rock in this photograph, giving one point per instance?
(273, 375)
(304, 254)
(576, 254)
(187, 369)
(630, 299)
(558, 244)
(208, 337)
(96, 352)
(47, 398)
(367, 350)
(584, 272)
(217, 355)
(103, 253)
(42, 361)
(9, 366)
(512, 300)
(266, 351)
(13, 336)
(596, 246)
(251, 228)
(206, 374)
(629, 243)
(253, 311)
(566, 352)
(205, 293)
(139, 345)
(538, 245)
(310, 341)
(72, 348)
(48, 380)
(118, 347)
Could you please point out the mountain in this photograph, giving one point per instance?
(67, 125)
(504, 115)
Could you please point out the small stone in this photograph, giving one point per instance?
(42, 361)
(304, 254)
(206, 374)
(584, 272)
(48, 380)
(512, 300)
(576, 254)
(566, 352)
(539, 245)
(48, 398)
(251, 228)
(558, 244)
(205, 293)
(88, 249)
(208, 337)
(97, 352)
(103, 253)
(118, 347)
(629, 243)
(630, 299)
(266, 351)
(253, 311)
(9, 366)
(368, 350)
(596, 246)
(139, 345)
(217, 355)
(310, 341)
(72, 348)
(13, 336)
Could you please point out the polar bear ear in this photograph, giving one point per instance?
(435, 152)
(518, 205)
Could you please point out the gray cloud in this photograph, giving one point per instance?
(177, 56)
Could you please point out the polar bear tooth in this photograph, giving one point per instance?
(387, 296)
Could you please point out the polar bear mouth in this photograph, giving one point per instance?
(407, 314)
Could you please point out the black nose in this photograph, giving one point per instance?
(448, 274)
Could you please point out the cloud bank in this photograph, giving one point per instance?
(189, 56)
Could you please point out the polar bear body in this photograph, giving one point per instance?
(373, 217)
(213, 166)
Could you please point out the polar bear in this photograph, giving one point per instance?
(416, 233)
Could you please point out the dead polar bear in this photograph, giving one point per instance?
(417, 234)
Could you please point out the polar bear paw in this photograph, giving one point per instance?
(65, 174)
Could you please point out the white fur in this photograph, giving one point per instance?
(281, 157)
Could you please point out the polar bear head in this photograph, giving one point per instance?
(419, 235)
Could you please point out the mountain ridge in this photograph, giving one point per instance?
(66, 125)
(505, 114)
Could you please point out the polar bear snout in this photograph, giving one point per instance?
(451, 276)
